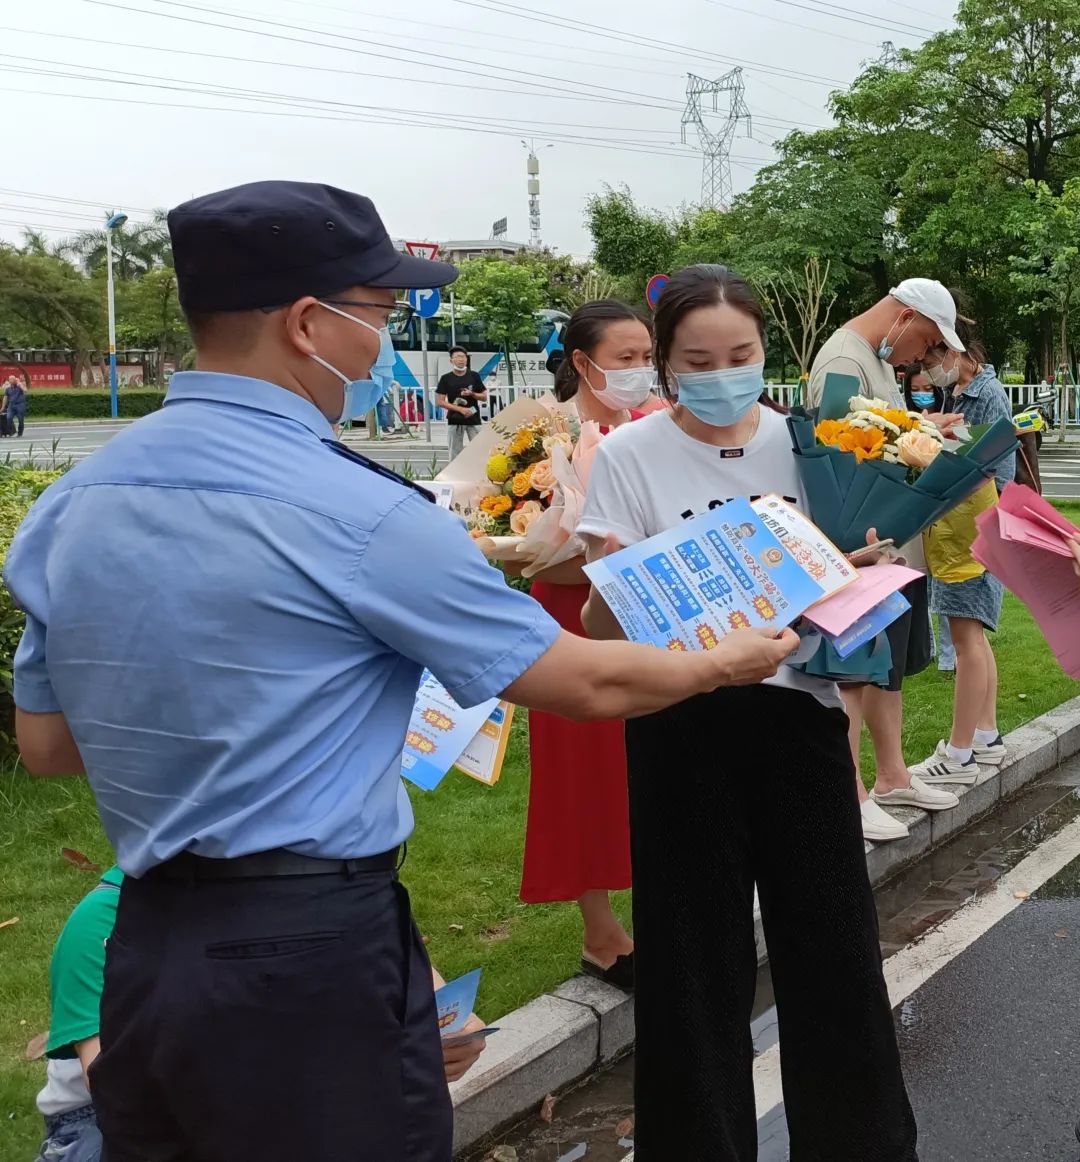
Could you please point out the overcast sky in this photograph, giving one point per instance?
(328, 81)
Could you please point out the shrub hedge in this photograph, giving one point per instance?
(93, 403)
(19, 488)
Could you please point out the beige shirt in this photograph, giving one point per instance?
(849, 354)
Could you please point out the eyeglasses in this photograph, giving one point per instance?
(398, 314)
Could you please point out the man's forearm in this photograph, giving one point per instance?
(585, 680)
(630, 680)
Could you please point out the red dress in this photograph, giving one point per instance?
(578, 834)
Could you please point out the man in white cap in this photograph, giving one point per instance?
(898, 330)
(913, 318)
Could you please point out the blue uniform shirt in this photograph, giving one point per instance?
(233, 620)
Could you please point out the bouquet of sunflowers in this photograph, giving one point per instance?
(873, 430)
(864, 464)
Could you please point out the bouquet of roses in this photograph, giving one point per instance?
(527, 508)
(864, 465)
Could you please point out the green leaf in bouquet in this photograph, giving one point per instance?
(835, 395)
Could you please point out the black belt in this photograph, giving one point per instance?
(263, 864)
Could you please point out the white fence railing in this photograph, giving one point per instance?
(408, 402)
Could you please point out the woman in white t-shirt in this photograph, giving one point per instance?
(742, 787)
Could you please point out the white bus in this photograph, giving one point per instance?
(464, 329)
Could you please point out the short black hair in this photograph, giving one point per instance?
(454, 350)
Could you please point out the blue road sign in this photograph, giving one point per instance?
(424, 302)
(652, 291)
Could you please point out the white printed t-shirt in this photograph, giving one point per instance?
(650, 475)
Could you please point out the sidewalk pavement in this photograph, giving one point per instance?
(584, 1024)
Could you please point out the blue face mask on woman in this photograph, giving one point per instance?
(361, 395)
(721, 398)
(923, 399)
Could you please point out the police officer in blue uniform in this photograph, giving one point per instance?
(227, 616)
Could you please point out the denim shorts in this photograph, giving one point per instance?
(71, 1137)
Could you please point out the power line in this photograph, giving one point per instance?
(401, 117)
(473, 88)
(619, 96)
(682, 50)
(111, 43)
(875, 21)
(506, 9)
(792, 23)
(313, 116)
(71, 201)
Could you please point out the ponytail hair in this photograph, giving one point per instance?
(584, 332)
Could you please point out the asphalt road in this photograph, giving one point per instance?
(985, 975)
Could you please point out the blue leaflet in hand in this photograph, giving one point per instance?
(689, 586)
(870, 625)
(455, 1001)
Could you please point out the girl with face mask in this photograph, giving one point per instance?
(577, 844)
(750, 787)
(920, 395)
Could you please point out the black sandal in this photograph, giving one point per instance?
(620, 975)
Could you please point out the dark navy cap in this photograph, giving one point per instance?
(270, 243)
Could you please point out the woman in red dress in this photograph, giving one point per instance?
(577, 844)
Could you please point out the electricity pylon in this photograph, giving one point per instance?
(715, 144)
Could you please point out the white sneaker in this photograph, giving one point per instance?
(917, 794)
(879, 825)
(939, 768)
(991, 755)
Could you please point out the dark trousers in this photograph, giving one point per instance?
(275, 1020)
(8, 423)
(729, 789)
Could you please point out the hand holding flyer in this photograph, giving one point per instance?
(741, 566)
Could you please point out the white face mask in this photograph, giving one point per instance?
(624, 387)
(941, 376)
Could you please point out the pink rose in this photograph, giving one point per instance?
(522, 518)
(543, 478)
(917, 449)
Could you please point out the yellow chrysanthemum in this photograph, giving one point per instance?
(521, 442)
(522, 484)
(499, 468)
(496, 505)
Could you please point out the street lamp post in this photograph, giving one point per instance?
(113, 222)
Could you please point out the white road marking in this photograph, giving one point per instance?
(910, 968)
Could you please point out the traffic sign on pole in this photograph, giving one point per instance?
(654, 288)
(425, 303)
(428, 250)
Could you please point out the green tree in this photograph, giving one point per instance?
(560, 276)
(1004, 75)
(45, 302)
(630, 242)
(149, 316)
(138, 247)
(1047, 271)
(506, 296)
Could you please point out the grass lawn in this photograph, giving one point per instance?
(463, 869)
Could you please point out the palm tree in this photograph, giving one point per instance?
(38, 246)
(137, 248)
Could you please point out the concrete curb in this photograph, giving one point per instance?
(584, 1024)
